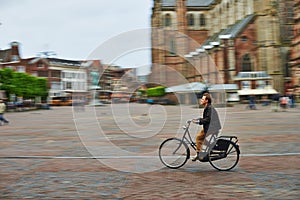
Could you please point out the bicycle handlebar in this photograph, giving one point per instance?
(190, 120)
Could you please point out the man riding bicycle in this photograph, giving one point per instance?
(211, 125)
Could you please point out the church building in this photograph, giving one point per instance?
(212, 41)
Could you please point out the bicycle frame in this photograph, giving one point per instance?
(217, 148)
(188, 139)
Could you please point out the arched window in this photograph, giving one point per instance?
(168, 20)
(287, 72)
(244, 38)
(202, 20)
(172, 47)
(191, 20)
(246, 63)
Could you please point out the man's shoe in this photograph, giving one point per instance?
(195, 158)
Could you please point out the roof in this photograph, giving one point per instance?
(233, 31)
(37, 59)
(5, 55)
(189, 3)
(188, 87)
(168, 3)
(196, 3)
(199, 87)
(64, 62)
(236, 28)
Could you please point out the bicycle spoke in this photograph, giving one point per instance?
(227, 159)
(173, 153)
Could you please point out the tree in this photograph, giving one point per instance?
(22, 84)
(156, 91)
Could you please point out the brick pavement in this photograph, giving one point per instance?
(52, 133)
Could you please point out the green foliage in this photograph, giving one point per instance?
(156, 91)
(22, 84)
(142, 92)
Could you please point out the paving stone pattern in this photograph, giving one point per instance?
(42, 155)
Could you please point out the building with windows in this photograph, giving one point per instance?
(66, 78)
(213, 41)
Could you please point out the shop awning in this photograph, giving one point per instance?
(264, 91)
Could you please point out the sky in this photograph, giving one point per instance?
(79, 29)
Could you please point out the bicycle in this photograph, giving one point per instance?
(223, 156)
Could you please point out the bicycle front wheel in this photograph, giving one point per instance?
(224, 159)
(174, 153)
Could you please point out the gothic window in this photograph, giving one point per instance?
(191, 20)
(290, 32)
(202, 20)
(290, 12)
(246, 63)
(172, 47)
(287, 72)
(168, 20)
(244, 39)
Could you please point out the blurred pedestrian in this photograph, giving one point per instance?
(275, 102)
(292, 100)
(265, 101)
(284, 100)
(252, 102)
(2, 110)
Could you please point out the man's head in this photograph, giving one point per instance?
(206, 99)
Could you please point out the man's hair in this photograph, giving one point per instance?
(208, 97)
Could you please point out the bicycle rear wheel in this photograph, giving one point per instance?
(174, 153)
(224, 157)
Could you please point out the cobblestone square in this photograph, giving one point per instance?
(60, 154)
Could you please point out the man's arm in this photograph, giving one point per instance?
(206, 116)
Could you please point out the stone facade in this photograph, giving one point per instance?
(213, 41)
(295, 51)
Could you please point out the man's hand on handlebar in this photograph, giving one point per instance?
(195, 121)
